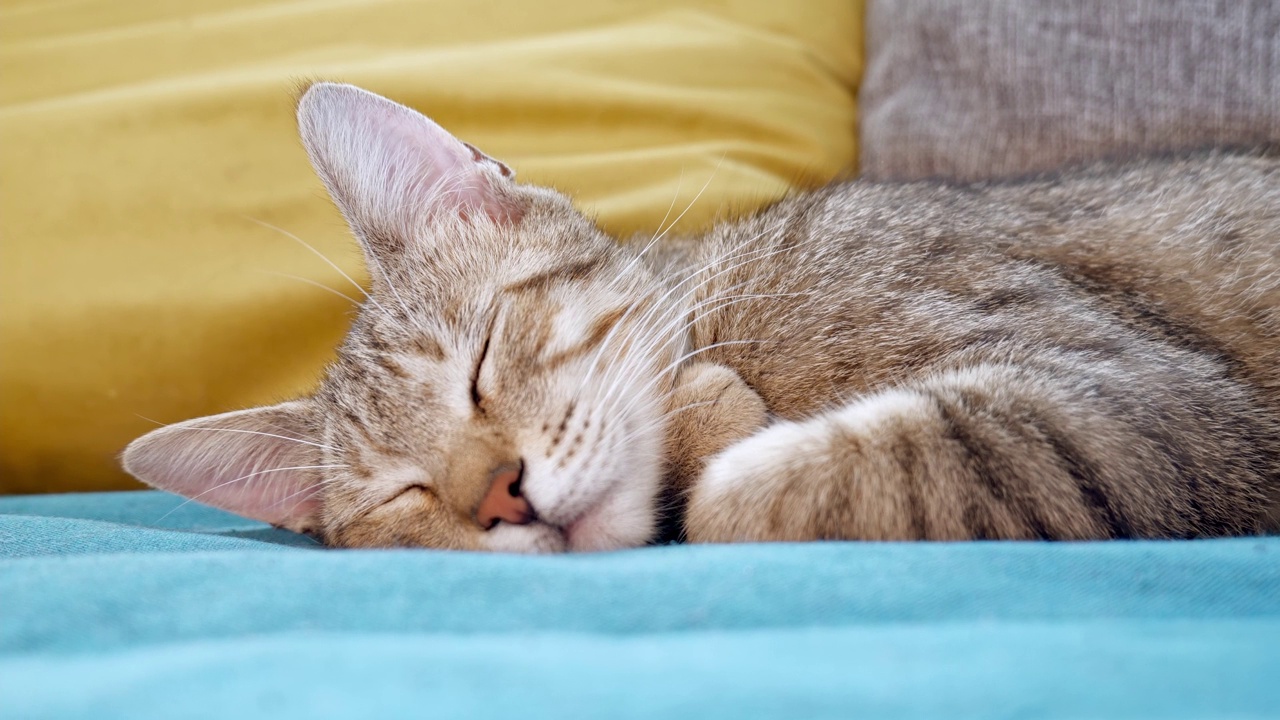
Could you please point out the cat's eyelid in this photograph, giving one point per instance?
(418, 486)
(476, 398)
(382, 500)
(426, 490)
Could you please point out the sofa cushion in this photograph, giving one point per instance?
(142, 140)
(974, 89)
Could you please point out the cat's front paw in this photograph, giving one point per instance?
(709, 409)
(743, 494)
(846, 474)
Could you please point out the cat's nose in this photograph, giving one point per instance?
(504, 501)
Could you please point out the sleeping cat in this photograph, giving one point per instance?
(1087, 356)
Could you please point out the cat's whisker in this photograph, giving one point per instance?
(303, 495)
(658, 305)
(705, 348)
(742, 258)
(314, 283)
(689, 355)
(637, 366)
(660, 421)
(312, 441)
(689, 317)
(663, 232)
(323, 257)
(604, 343)
(672, 206)
(640, 390)
(695, 199)
(643, 330)
(657, 236)
(688, 406)
(718, 303)
(644, 388)
(642, 324)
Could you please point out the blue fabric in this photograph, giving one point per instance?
(139, 605)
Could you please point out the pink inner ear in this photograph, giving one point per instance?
(254, 463)
(387, 165)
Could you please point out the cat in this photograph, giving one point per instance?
(1086, 356)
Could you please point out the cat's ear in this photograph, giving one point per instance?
(257, 463)
(391, 169)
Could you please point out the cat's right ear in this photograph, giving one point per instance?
(260, 463)
(391, 170)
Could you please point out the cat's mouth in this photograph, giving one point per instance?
(539, 534)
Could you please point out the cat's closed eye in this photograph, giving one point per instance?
(476, 398)
(421, 489)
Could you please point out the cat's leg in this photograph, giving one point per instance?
(997, 451)
(708, 409)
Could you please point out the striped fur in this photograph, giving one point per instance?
(1090, 355)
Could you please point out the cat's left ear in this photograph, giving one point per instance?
(258, 463)
(391, 169)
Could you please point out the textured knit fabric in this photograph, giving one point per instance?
(974, 88)
(141, 140)
(139, 605)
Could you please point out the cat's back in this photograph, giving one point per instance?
(1211, 211)
(1185, 248)
(871, 278)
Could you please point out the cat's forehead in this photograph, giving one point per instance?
(549, 227)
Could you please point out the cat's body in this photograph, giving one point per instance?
(1081, 356)
(1086, 356)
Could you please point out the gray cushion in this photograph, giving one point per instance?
(972, 89)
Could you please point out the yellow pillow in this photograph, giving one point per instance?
(140, 142)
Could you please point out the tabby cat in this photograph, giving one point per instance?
(1086, 356)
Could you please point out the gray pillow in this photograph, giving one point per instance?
(971, 89)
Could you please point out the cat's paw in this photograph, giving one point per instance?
(709, 409)
(742, 494)
(832, 476)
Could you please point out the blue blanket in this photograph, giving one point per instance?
(139, 605)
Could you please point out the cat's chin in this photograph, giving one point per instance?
(617, 522)
(536, 538)
(589, 535)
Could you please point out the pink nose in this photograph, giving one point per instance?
(504, 502)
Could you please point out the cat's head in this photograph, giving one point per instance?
(502, 388)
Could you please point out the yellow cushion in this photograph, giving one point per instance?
(140, 141)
